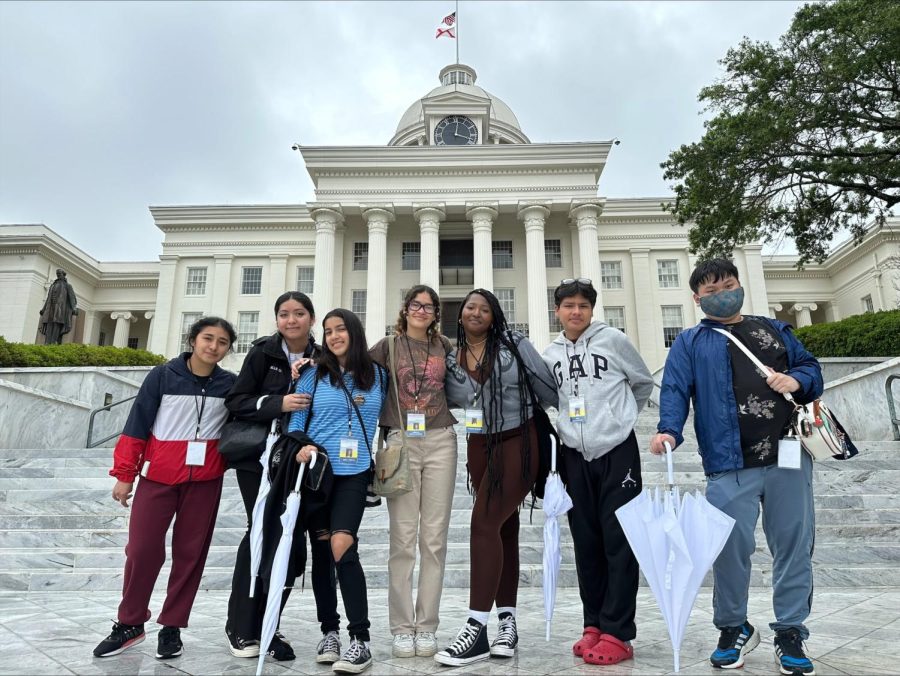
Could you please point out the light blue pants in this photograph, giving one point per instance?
(789, 523)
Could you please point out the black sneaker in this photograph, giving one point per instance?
(504, 644)
(734, 644)
(169, 643)
(329, 649)
(280, 649)
(789, 654)
(355, 659)
(470, 645)
(122, 637)
(241, 647)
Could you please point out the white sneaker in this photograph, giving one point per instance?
(426, 644)
(404, 646)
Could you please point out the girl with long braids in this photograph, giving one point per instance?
(489, 376)
(422, 515)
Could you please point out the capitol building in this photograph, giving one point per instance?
(458, 198)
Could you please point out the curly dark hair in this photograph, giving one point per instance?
(498, 337)
(435, 328)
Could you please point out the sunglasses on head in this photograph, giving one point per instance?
(578, 280)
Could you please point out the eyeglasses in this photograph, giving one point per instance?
(415, 306)
(579, 280)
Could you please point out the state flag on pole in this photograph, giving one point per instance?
(448, 21)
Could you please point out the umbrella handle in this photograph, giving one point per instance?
(552, 457)
(312, 463)
(669, 468)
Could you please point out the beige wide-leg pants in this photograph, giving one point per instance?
(423, 515)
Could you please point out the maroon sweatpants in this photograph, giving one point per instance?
(196, 504)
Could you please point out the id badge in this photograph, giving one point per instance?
(576, 409)
(196, 453)
(415, 424)
(789, 453)
(349, 451)
(474, 420)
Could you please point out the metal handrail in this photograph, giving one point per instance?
(88, 443)
(892, 409)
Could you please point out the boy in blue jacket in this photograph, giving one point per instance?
(740, 418)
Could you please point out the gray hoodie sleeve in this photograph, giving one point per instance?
(539, 374)
(636, 371)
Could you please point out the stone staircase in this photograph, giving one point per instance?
(60, 529)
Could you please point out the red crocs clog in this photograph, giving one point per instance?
(588, 640)
(608, 650)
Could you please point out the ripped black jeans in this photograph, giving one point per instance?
(342, 516)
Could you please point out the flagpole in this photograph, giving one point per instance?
(457, 32)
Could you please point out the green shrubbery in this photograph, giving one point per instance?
(72, 354)
(873, 334)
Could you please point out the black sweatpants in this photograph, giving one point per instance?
(245, 614)
(607, 570)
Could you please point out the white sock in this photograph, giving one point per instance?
(479, 616)
(507, 609)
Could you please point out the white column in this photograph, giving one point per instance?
(692, 264)
(879, 291)
(377, 220)
(123, 328)
(802, 312)
(165, 325)
(775, 307)
(149, 316)
(534, 217)
(482, 217)
(586, 216)
(648, 338)
(327, 221)
(337, 278)
(278, 275)
(91, 326)
(756, 281)
(429, 219)
(219, 287)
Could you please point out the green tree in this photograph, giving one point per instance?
(804, 140)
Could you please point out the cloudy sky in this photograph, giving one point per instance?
(108, 108)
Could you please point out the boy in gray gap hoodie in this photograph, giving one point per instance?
(603, 384)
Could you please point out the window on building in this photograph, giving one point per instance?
(667, 272)
(507, 298)
(251, 281)
(187, 321)
(611, 274)
(553, 253)
(555, 324)
(358, 304)
(196, 282)
(360, 255)
(412, 254)
(132, 343)
(503, 259)
(615, 317)
(867, 304)
(673, 323)
(248, 327)
(305, 278)
(101, 340)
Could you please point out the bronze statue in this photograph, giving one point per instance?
(58, 310)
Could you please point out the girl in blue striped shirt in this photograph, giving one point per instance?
(347, 390)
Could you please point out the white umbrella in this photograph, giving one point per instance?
(675, 542)
(280, 564)
(556, 503)
(256, 521)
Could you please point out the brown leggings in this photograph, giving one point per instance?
(494, 543)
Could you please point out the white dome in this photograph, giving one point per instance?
(461, 78)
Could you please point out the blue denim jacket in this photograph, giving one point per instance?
(698, 369)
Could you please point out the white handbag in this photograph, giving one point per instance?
(819, 432)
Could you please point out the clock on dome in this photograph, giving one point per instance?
(456, 130)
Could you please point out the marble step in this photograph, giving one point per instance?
(456, 577)
(852, 533)
(75, 560)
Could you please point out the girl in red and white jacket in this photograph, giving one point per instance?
(171, 439)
